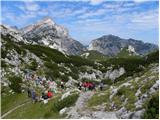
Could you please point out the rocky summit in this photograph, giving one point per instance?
(47, 74)
(47, 32)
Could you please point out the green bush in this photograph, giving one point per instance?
(152, 108)
(15, 83)
(3, 64)
(64, 78)
(54, 74)
(83, 69)
(66, 102)
(50, 54)
(121, 91)
(152, 57)
(33, 66)
(78, 61)
(73, 75)
(11, 45)
(52, 70)
(107, 81)
(51, 66)
(3, 53)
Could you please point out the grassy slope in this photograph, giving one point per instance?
(39, 110)
(11, 101)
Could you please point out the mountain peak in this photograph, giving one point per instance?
(111, 45)
(47, 20)
(110, 36)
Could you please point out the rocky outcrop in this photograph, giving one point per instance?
(79, 111)
(113, 74)
(12, 33)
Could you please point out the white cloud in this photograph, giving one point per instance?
(134, 21)
(145, 20)
(96, 2)
(32, 6)
(140, 1)
(93, 13)
(29, 6)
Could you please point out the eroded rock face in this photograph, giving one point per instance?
(113, 74)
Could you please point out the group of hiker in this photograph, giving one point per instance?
(45, 96)
(33, 77)
(48, 94)
(51, 87)
(89, 86)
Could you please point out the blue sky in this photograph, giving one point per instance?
(89, 19)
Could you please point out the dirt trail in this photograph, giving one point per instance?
(10, 111)
(80, 111)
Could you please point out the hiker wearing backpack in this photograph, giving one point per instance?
(94, 86)
(29, 92)
(101, 85)
(33, 95)
(85, 86)
(80, 85)
(44, 98)
(90, 85)
(62, 84)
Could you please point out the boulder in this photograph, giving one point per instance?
(62, 111)
(138, 114)
(65, 95)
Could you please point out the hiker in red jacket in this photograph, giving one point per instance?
(49, 94)
(90, 86)
(85, 86)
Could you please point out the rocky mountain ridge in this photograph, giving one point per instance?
(47, 32)
(111, 45)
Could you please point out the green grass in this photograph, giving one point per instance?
(66, 102)
(98, 100)
(147, 85)
(117, 101)
(129, 94)
(10, 101)
(44, 111)
(35, 110)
